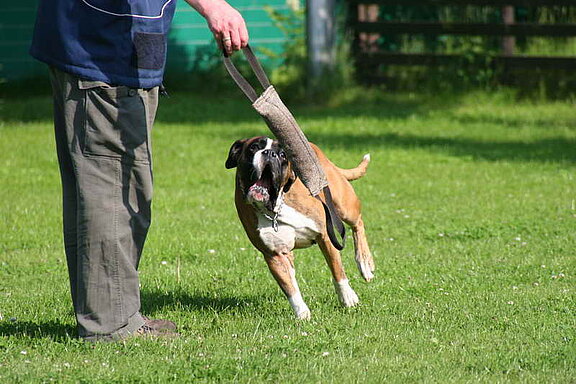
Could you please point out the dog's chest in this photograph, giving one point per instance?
(294, 230)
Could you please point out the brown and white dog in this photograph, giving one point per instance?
(279, 215)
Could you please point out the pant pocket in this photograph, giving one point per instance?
(116, 123)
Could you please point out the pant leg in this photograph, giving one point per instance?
(107, 198)
(64, 142)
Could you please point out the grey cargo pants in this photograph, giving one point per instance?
(104, 153)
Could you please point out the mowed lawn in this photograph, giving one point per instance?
(470, 209)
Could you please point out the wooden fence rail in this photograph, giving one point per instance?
(471, 3)
(440, 28)
(368, 28)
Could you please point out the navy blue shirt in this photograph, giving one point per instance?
(120, 42)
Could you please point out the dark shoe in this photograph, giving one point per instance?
(149, 331)
(159, 324)
(150, 328)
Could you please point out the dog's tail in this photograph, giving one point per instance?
(358, 172)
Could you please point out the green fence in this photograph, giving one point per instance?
(189, 35)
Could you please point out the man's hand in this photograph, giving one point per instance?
(225, 22)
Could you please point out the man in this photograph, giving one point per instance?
(107, 61)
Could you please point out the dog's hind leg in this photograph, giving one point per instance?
(281, 266)
(353, 217)
(345, 293)
(363, 256)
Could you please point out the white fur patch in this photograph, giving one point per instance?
(346, 294)
(364, 268)
(257, 161)
(294, 230)
(301, 310)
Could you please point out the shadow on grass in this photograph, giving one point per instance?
(153, 301)
(510, 122)
(545, 150)
(237, 109)
(183, 108)
(193, 109)
(53, 330)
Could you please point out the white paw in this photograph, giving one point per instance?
(365, 270)
(346, 294)
(299, 307)
(303, 315)
(349, 298)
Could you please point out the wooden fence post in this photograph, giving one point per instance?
(368, 12)
(508, 42)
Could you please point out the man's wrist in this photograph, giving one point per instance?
(205, 7)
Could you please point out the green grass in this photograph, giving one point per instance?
(469, 204)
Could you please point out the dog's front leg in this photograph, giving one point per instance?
(282, 267)
(346, 294)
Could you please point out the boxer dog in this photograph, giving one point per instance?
(279, 215)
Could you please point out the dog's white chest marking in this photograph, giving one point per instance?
(294, 230)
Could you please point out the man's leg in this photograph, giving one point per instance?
(64, 141)
(103, 142)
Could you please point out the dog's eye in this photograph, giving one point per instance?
(282, 155)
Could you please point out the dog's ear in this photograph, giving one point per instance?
(290, 181)
(234, 153)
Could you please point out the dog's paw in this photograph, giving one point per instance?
(349, 299)
(366, 269)
(303, 315)
(299, 307)
(346, 294)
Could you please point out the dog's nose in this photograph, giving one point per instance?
(269, 153)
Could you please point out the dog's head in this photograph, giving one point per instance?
(263, 170)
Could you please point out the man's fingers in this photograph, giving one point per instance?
(235, 39)
(243, 32)
(229, 29)
(226, 42)
(219, 42)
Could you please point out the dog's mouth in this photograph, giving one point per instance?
(263, 190)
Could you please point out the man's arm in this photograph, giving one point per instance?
(225, 22)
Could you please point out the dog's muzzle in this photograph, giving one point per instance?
(269, 175)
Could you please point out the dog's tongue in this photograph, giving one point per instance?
(263, 190)
(257, 193)
(260, 190)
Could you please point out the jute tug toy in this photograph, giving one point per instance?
(284, 126)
